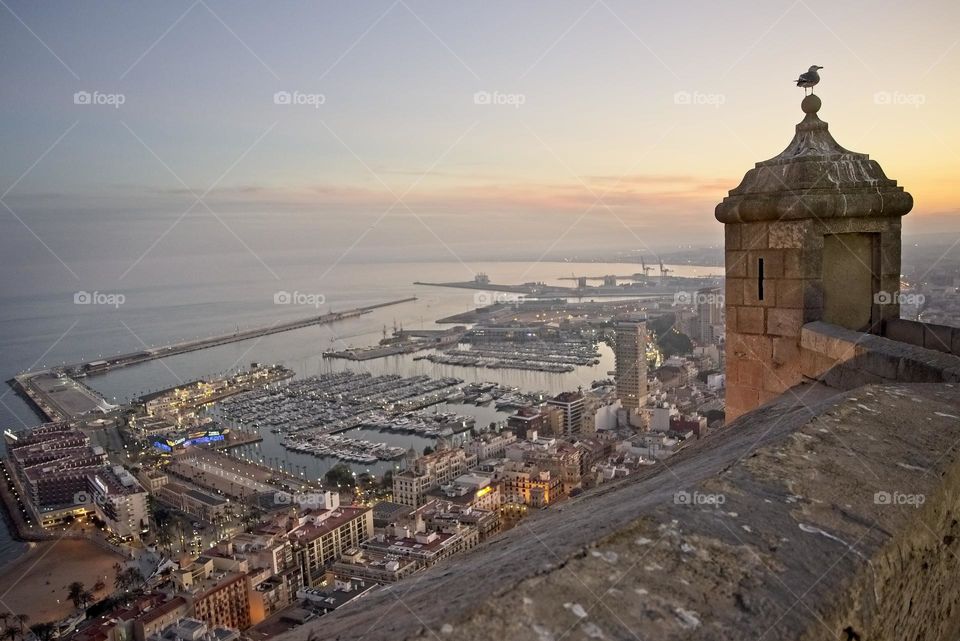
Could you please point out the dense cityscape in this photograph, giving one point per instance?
(410, 321)
(209, 532)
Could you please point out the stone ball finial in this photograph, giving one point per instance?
(811, 104)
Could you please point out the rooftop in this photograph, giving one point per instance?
(332, 519)
(770, 527)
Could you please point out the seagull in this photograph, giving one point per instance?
(809, 79)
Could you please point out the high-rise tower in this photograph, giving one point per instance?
(631, 357)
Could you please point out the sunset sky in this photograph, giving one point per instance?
(590, 132)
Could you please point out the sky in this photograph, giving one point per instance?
(553, 125)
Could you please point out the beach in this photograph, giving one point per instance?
(36, 583)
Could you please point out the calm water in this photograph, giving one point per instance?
(40, 326)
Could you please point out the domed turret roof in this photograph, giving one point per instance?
(814, 177)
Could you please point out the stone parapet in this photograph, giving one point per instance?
(845, 359)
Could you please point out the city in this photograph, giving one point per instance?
(335, 322)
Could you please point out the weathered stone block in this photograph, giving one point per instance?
(757, 346)
(772, 263)
(781, 379)
(814, 365)
(811, 262)
(786, 350)
(732, 371)
(812, 300)
(938, 337)
(791, 263)
(879, 363)
(731, 320)
(784, 235)
(742, 397)
(789, 293)
(733, 345)
(734, 291)
(751, 292)
(754, 236)
(890, 252)
(751, 374)
(731, 234)
(912, 370)
(750, 320)
(736, 264)
(767, 395)
(852, 377)
(904, 331)
(784, 322)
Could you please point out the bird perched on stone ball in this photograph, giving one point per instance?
(809, 79)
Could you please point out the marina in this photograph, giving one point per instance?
(311, 415)
(423, 423)
(542, 356)
(331, 403)
(469, 358)
(343, 448)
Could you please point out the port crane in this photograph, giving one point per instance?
(646, 268)
(663, 272)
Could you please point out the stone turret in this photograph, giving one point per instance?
(811, 234)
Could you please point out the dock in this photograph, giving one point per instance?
(123, 360)
(541, 290)
(58, 397)
(58, 394)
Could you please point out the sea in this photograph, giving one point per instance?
(173, 297)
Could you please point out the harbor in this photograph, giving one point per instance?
(344, 448)
(554, 357)
(124, 360)
(331, 402)
(58, 393)
(311, 415)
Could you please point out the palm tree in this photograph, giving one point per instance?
(22, 620)
(135, 576)
(11, 633)
(43, 631)
(4, 617)
(120, 581)
(75, 591)
(86, 597)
